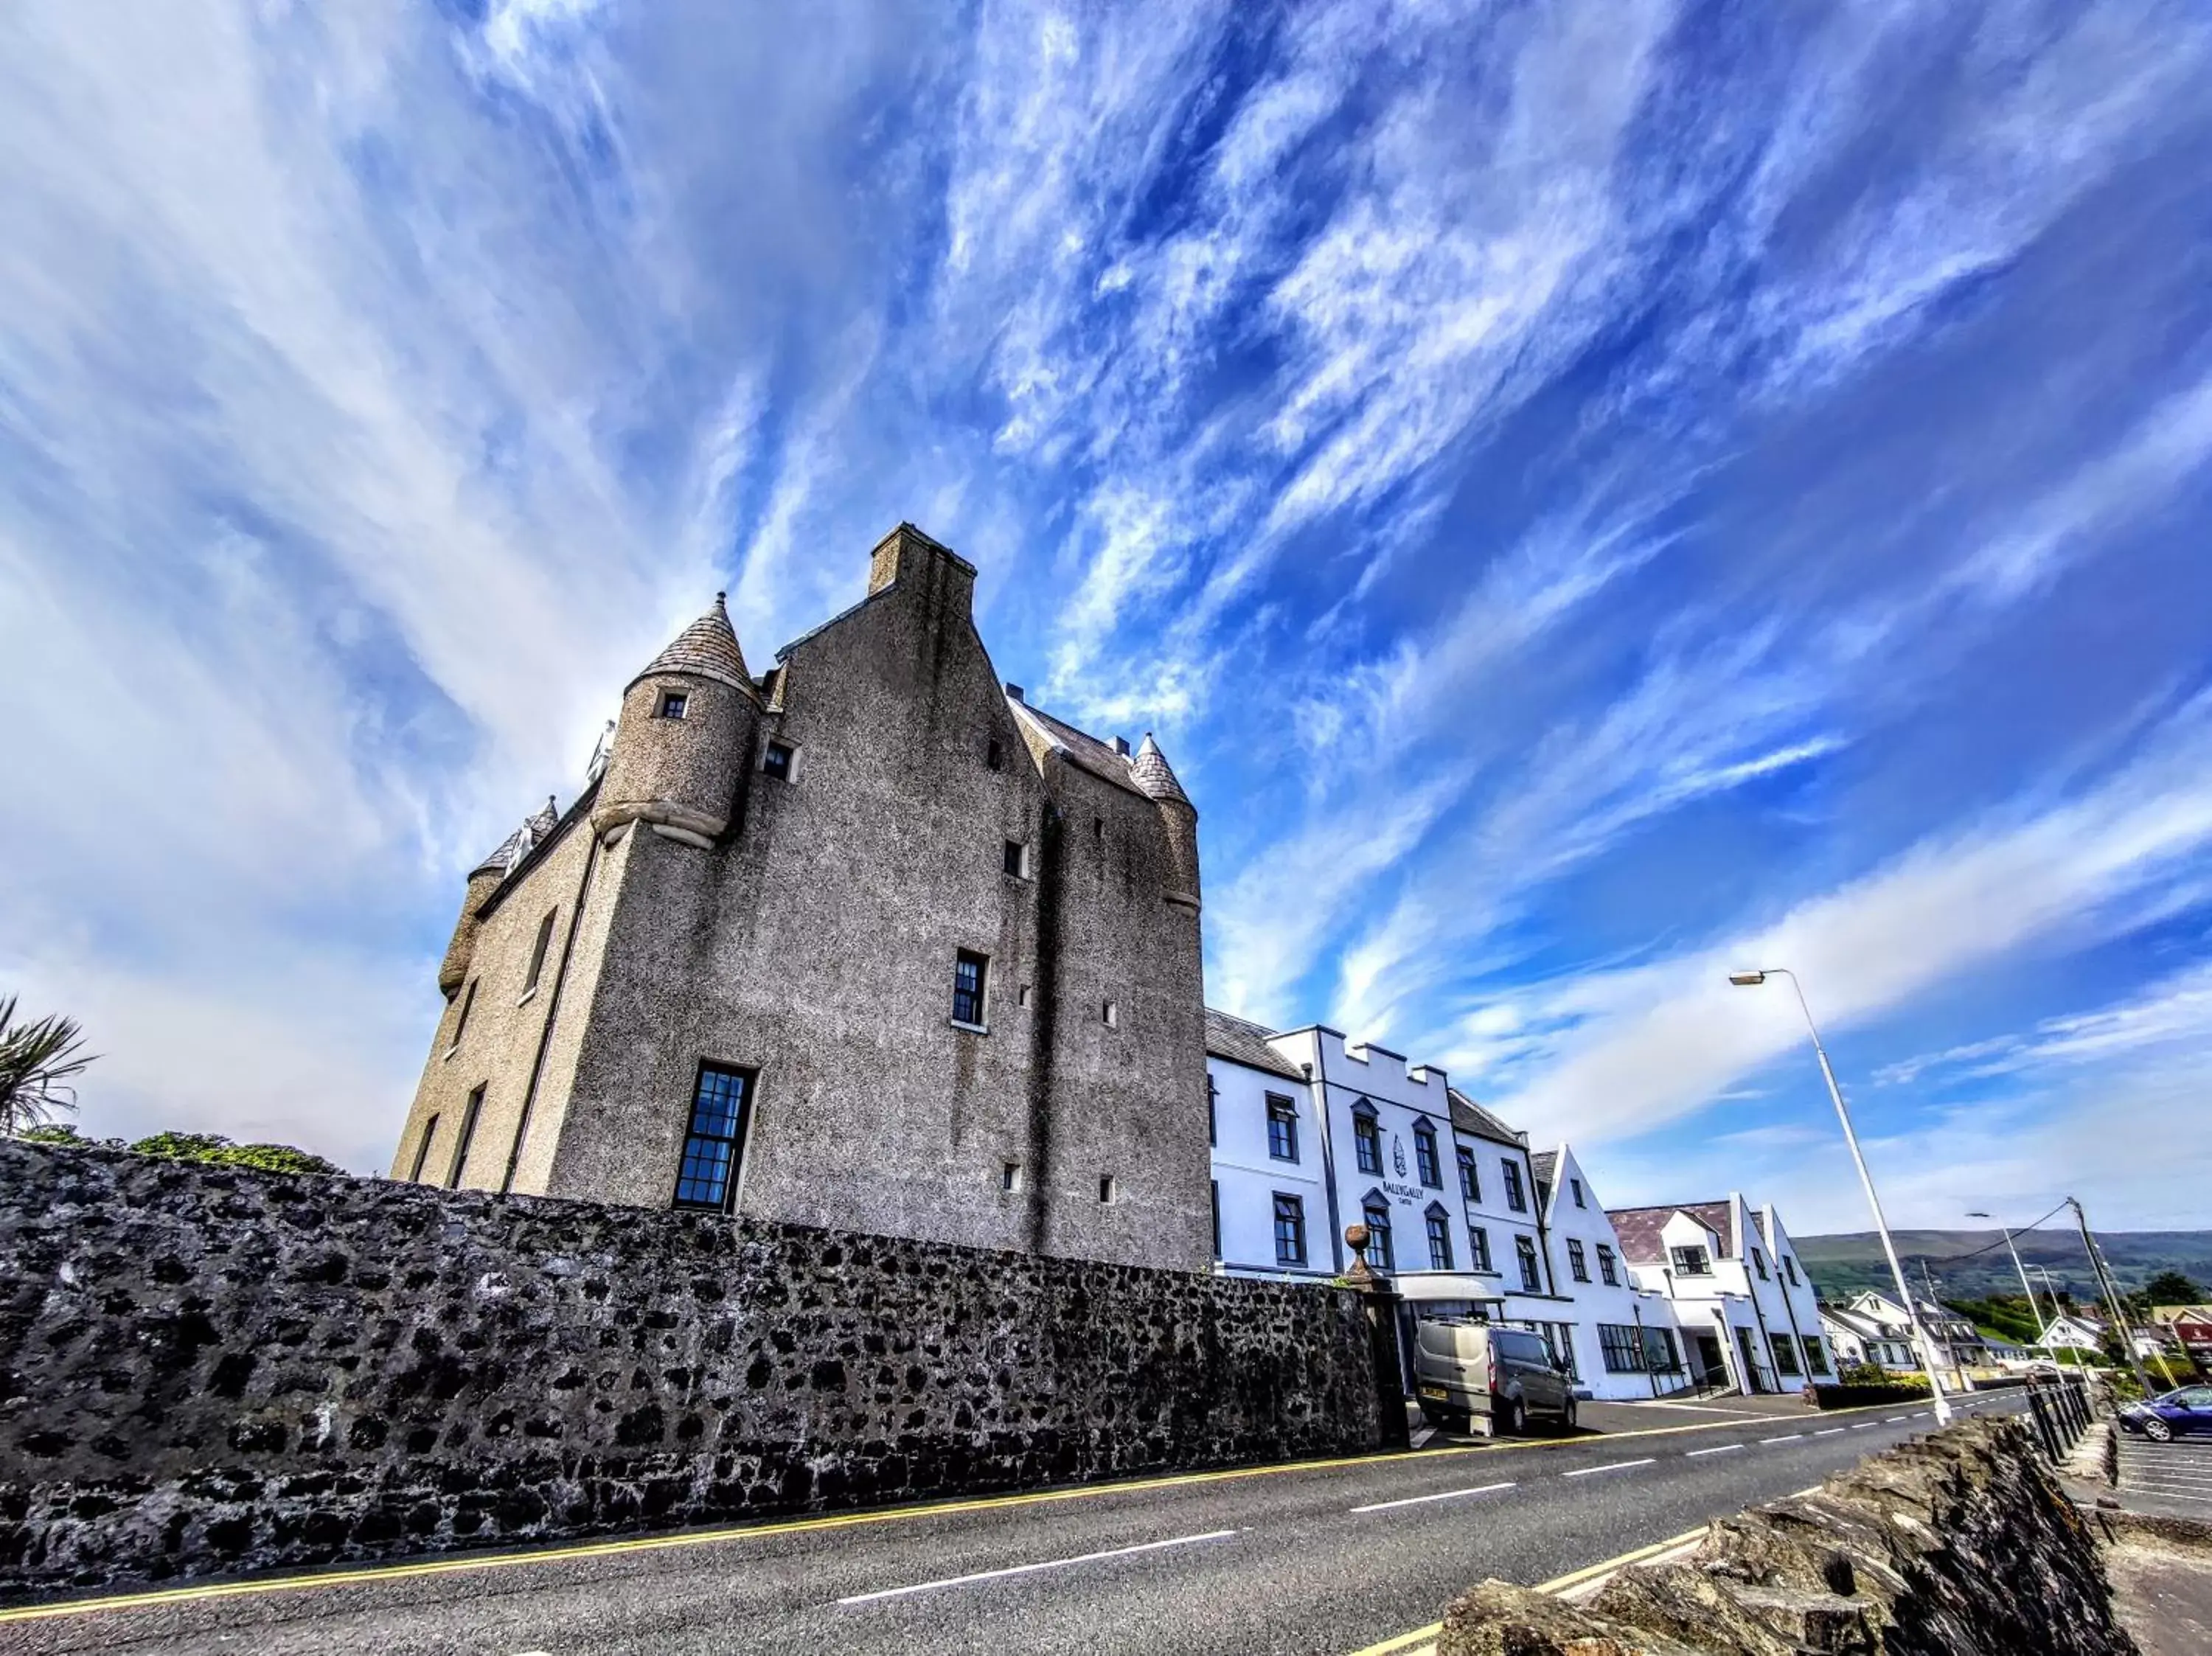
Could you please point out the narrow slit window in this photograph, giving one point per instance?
(1110, 1014)
(423, 1149)
(707, 1177)
(994, 758)
(537, 951)
(1105, 1186)
(1010, 1175)
(1022, 996)
(1017, 859)
(461, 1024)
(470, 1111)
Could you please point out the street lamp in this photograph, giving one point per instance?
(2042, 1328)
(2043, 1275)
(1751, 980)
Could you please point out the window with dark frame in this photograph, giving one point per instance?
(470, 1111)
(1366, 1137)
(1576, 1186)
(1282, 1128)
(1785, 1354)
(422, 1148)
(1532, 1279)
(1576, 1263)
(537, 951)
(1290, 1230)
(1470, 1182)
(1425, 1157)
(775, 760)
(1439, 1224)
(1789, 1270)
(1010, 1175)
(1692, 1260)
(971, 972)
(1217, 1218)
(1381, 1255)
(1816, 1355)
(1516, 1196)
(1660, 1355)
(1622, 1346)
(707, 1176)
(461, 1024)
(1212, 1102)
(672, 704)
(1478, 1240)
(1759, 1260)
(1607, 1271)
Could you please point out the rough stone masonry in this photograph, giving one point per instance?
(1956, 1545)
(210, 1369)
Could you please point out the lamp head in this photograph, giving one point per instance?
(1976, 1213)
(1747, 980)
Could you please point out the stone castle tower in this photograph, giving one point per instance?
(866, 942)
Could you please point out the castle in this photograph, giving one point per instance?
(866, 942)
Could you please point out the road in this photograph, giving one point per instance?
(1327, 1558)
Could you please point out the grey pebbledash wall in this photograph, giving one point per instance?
(210, 1369)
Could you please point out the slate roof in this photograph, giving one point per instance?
(1545, 1163)
(1150, 769)
(1241, 1042)
(1087, 750)
(1638, 1229)
(1471, 1119)
(708, 647)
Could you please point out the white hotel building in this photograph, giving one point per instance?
(1312, 1133)
(1748, 1313)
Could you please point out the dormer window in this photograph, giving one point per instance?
(1692, 1260)
(672, 704)
(776, 759)
(1366, 1137)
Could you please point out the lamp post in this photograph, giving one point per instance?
(2043, 1273)
(1749, 979)
(2042, 1328)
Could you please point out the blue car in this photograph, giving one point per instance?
(2187, 1409)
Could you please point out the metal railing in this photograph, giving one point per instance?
(2059, 1413)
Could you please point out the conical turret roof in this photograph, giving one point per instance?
(708, 648)
(1151, 773)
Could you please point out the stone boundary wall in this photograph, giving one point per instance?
(1957, 1545)
(207, 1369)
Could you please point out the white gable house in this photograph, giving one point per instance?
(1622, 1337)
(1746, 1310)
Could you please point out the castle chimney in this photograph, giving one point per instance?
(1014, 693)
(906, 555)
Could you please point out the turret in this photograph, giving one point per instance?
(685, 737)
(1152, 772)
(484, 879)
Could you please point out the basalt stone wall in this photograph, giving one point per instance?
(208, 1369)
(1957, 1545)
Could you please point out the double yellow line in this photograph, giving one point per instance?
(1421, 1640)
(470, 1564)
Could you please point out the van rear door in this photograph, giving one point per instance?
(1452, 1365)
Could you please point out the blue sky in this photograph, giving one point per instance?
(1587, 495)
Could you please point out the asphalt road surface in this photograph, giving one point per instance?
(1328, 1558)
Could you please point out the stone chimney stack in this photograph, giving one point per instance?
(906, 557)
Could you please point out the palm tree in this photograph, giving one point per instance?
(36, 1063)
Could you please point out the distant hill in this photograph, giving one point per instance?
(1844, 1265)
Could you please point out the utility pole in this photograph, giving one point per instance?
(2042, 1328)
(2111, 1295)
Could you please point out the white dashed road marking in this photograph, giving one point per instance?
(1723, 1449)
(1448, 1495)
(1028, 1570)
(1610, 1466)
(1787, 1437)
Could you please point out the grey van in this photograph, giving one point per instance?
(1479, 1377)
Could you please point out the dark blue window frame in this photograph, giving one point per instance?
(1366, 1137)
(707, 1177)
(1425, 1157)
(1282, 1128)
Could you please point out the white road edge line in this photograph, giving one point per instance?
(1723, 1449)
(1787, 1437)
(1448, 1495)
(1027, 1569)
(1610, 1466)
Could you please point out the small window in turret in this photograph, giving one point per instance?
(775, 760)
(993, 757)
(672, 704)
